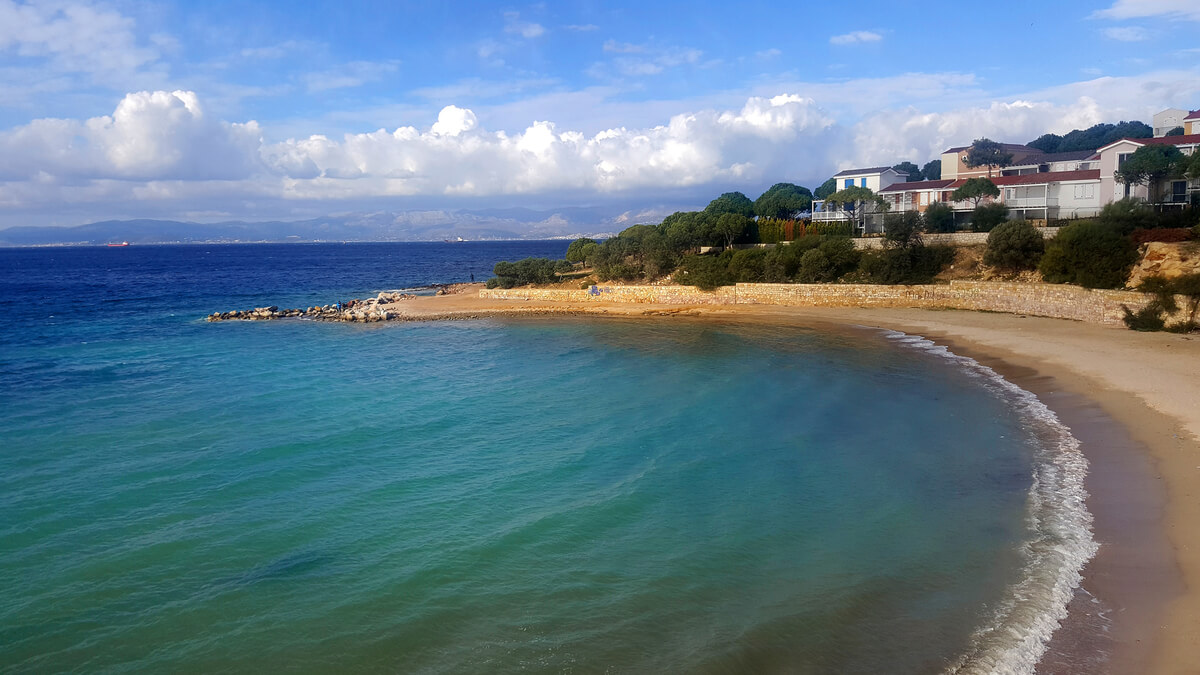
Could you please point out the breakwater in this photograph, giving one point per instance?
(362, 311)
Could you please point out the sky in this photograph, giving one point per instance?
(247, 110)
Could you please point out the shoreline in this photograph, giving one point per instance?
(1132, 398)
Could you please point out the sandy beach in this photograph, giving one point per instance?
(1145, 469)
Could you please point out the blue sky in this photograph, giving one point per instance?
(220, 110)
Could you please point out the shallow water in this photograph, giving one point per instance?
(492, 496)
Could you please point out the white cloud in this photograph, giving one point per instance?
(162, 148)
(855, 37)
(75, 37)
(348, 75)
(768, 53)
(1137, 9)
(582, 28)
(526, 29)
(623, 47)
(150, 135)
(1127, 34)
(642, 60)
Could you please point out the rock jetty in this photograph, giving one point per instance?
(360, 311)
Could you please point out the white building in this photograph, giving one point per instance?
(1167, 120)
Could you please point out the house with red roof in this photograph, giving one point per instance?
(1191, 123)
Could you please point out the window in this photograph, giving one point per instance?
(1179, 192)
(924, 198)
(862, 182)
(1085, 191)
(1010, 194)
(849, 182)
(1121, 158)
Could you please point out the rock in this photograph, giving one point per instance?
(1167, 260)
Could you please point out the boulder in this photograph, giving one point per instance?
(1167, 260)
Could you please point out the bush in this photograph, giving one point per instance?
(985, 217)
(705, 272)
(529, 271)
(1092, 254)
(939, 217)
(1163, 234)
(1127, 215)
(1015, 245)
(917, 265)
(902, 230)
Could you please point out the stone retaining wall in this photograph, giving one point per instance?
(1058, 301)
(950, 238)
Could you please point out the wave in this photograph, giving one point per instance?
(1059, 529)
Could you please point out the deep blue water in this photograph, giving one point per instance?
(566, 495)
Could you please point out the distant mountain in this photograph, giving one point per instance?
(511, 223)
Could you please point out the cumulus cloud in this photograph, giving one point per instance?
(1137, 9)
(150, 135)
(855, 37)
(162, 146)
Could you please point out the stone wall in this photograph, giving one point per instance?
(1051, 300)
(950, 238)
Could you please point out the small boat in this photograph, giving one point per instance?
(124, 243)
(454, 241)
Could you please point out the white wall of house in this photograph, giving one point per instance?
(874, 181)
(1168, 120)
(1110, 158)
(1076, 199)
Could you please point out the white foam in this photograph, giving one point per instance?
(1058, 525)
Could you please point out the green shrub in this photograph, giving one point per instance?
(746, 266)
(834, 229)
(1015, 245)
(1092, 254)
(939, 217)
(1127, 215)
(705, 272)
(986, 217)
(918, 265)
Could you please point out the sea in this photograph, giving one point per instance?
(544, 495)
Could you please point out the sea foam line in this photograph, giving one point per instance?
(1058, 524)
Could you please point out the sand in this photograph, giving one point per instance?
(1148, 382)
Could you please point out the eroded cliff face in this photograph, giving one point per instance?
(1166, 260)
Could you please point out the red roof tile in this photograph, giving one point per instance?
(1194, 115)
(1167, 140)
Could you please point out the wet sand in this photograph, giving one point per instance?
(1133, 400)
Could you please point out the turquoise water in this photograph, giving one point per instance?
(560, 495)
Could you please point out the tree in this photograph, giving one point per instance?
(1151, 164)
(731, 202)
(783, 201)
(903, 230)
(1191, 167)
(686, 230)
(933, 170)
(939, 217)
(827, 188)
(1092, 138)
(909, 169)
(859, 202)
(1177, 131)
(579, 249)
(1014, 246)
(730, 226)
(989, 153)
(986, 217)
(975, 189)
